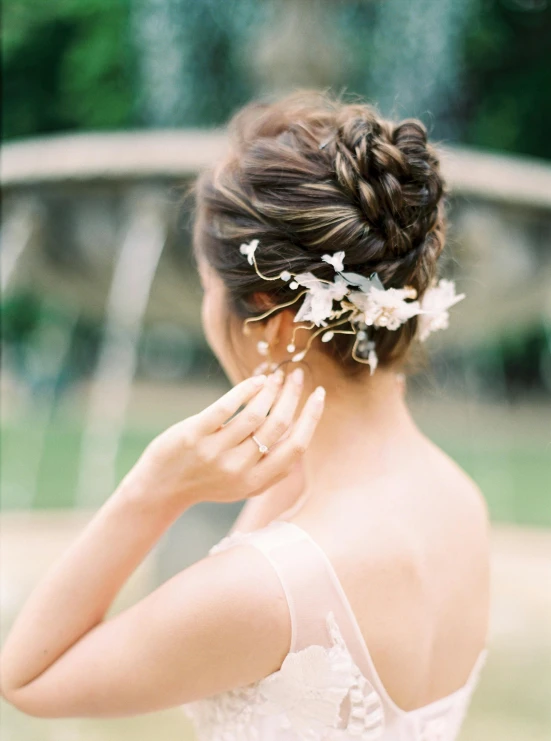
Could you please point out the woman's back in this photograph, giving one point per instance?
(382, 582)
(411, 551)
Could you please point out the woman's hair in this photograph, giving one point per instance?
(310, 174)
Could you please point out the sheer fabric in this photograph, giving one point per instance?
(327, 688)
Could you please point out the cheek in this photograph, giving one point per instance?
(215, 318)
(234, 352)
(212, 317)
(223, 332)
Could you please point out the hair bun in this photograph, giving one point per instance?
(392, 173)
(309, 174)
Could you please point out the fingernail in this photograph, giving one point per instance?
(297, 375)
(259, 380)
(319, 393)
(277, 377)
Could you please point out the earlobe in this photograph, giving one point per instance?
(273, 329)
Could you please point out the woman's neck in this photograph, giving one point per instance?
(365, 430)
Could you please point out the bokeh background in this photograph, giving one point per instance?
(110, 107)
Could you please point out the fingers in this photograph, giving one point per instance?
(214, 416)
(251, 417)
(278, 462)
(278, 422)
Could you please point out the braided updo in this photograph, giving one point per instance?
(308, 175)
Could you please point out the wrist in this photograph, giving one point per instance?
(139, 493)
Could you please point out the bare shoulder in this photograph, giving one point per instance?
(413, 542)
(219, 624)
(447, 474)
(236, 620)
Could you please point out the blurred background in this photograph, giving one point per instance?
(110, 108)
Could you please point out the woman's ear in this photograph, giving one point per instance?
(262, 301)
(279, 327)
(272, 329)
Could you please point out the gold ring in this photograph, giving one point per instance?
(261, 447)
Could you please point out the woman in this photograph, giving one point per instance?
(351, 598)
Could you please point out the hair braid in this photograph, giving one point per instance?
(310, 174)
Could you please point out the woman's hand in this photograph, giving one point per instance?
(63, 657)
(208, 458)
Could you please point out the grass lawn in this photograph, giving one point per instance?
(515, 480)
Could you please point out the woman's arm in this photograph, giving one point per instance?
(63, 658)
(221, 623)
(81, 586)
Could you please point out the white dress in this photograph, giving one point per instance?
(327, 688)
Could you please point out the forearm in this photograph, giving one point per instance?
(79, 589)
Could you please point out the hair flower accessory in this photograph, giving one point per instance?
(434, 307)
(249, 250)
(357, 301)
(335, 260)
(318, 303)
(386, 307)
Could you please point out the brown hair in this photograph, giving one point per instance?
(310, 174)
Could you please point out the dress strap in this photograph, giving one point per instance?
(321, 613)
(309, 582)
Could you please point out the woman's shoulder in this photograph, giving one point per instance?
(451, 481)
(405, 544)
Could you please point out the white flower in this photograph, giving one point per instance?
(309, 688)
(308, 280)
(335, 260)
(385, 308)
(372, 361)
(249, 250)
(434, 304)
(318, 302)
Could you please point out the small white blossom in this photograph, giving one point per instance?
(308, 280)
(372, 361)
(318, 302)
(385, 308)
(249, 250)
(434, 305)
(335, 260)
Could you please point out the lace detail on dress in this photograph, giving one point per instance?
(320, 694)
(366, 715)
(306, 695)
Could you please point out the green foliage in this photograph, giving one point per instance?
(508, 71)
(20, 314)
(75, 65)
(66, 65)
